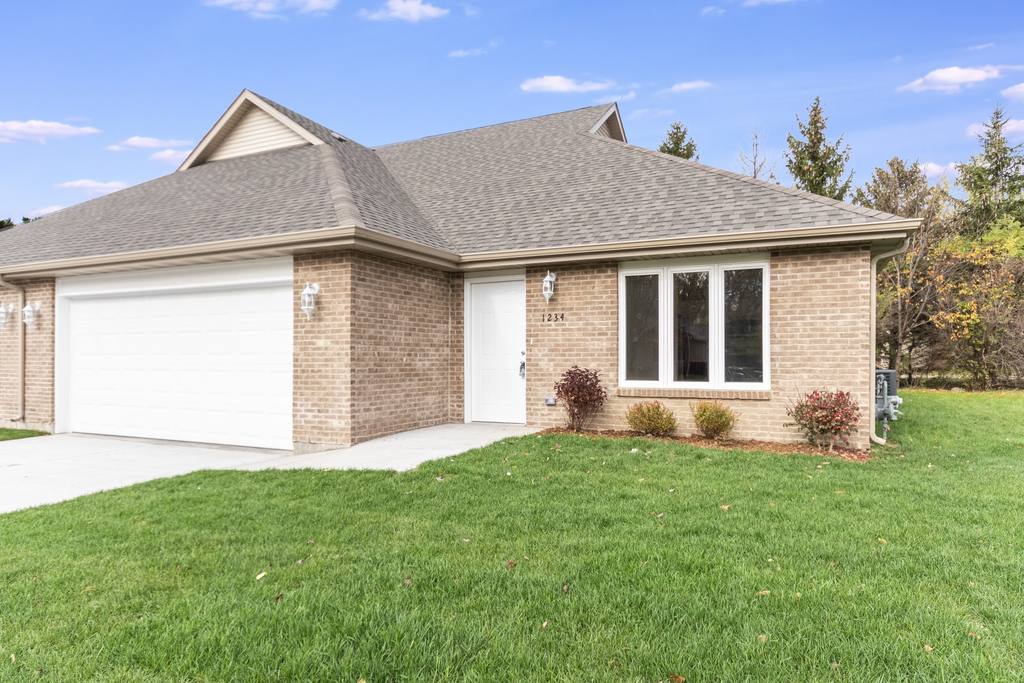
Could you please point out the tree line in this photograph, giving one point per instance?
(954, 301)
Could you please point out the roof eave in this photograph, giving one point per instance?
(862, 233)
(359, 238)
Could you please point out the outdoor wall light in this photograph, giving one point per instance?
(28, 314)
(308, 299)
(549, 286)
(4, 310)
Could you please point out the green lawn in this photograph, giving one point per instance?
(850, 572)
(9, 434)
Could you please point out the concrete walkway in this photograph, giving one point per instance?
(49, 469)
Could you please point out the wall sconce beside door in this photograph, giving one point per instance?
(549, 286)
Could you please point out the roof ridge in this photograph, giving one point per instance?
(801, 194)
(494, 125)
(345, 207)
(311, 126)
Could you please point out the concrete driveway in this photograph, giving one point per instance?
(49, 469)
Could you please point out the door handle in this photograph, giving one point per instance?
(522, 366)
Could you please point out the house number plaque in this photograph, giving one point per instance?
(552, 317)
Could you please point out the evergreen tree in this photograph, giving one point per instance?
(676, 144)
(816, 165)
(994, 183)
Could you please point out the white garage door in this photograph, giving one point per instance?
(198, 354)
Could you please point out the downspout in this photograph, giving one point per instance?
(874, 324)
(21, 347)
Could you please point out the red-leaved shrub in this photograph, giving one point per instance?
(824, 416)
(581, 393)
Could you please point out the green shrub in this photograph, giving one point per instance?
(825, 416)
(653, 419)
(581, 393)
(713, 418)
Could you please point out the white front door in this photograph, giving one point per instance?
(497, 348)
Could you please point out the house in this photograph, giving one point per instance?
(171, 309)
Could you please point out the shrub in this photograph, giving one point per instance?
(652, 418)
(581, 393)
(713, 418)
(824, 416)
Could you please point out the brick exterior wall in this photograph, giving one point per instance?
(383, 352)
(820, 338)
(457, 358)
(322, 366)
(378, 355)
(39, 358)
(401, 351)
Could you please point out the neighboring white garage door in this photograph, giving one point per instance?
(202, 353)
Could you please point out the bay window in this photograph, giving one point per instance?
(698, 323)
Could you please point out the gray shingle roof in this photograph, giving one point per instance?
(540, 182)
(546, 182)
(265, 194)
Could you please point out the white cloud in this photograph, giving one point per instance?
(982, 47)
(170, 156)
(1016, 93)
(267, 9)
(951, 79)
(136, 142)
(476, 52)
(562, 84)
(470, 10)
(43, 212)
(1012, 129)
(617, 98)
(711, 10)
(650, 113)
(689, 85)
(932, 170)
(39, 131)
(751, 3)
(406, 10)
(93, 188)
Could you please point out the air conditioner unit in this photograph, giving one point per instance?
(887, 402)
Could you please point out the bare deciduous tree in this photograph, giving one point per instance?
(756, 164)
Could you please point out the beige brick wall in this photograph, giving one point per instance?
(377, 356)
(820, 338)
(457, 358)
(39, 356)
(322, 379)
(384, 353)
(401, 354)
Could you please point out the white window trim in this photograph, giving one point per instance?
(716, 344)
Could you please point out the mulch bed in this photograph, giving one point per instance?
(726, 444)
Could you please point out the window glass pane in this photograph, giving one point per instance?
(691, 323)
(744, 312)
(642, 327)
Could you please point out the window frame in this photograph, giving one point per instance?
(716, 268)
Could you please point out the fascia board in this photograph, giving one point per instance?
(803, 236)
(363, 239)
(355, 237)
(246, 99)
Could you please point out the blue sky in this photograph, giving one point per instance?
(105, 94)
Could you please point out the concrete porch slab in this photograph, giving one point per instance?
(48, 469)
